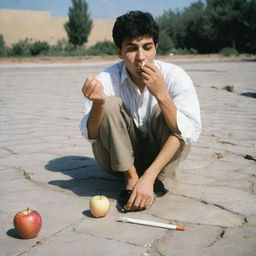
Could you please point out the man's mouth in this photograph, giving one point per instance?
(140, 66)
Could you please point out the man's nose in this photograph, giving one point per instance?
(140, 55)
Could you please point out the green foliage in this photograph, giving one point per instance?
(2, 42)
(62, 48)
(213, 26)
(63, 45)
(228, 51)
(79, 25)
(102, 48)
(3, 51)
(165, 43)
(39, 47)
(21, 48)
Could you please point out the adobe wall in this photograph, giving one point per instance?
(17, 25)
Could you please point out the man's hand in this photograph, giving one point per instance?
(153, 79)
(142, 195)
(93, 90)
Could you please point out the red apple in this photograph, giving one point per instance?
(99, 206)
(27, 223)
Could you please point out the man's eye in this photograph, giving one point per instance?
(147, 48)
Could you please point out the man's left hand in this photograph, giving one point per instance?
(154, 80)
(142, 195)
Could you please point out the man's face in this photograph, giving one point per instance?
(136, 51)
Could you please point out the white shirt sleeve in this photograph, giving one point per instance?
(84, 120)
(104, 78)
(188, 111)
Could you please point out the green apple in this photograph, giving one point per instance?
(99, 206)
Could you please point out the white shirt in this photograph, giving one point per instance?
(117, 82)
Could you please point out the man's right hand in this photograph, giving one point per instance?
(93, 90)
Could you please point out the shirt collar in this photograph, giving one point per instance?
(124, 73)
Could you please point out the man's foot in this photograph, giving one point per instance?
(123, 199)
(159, 188)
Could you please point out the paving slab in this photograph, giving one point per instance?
(47, 165)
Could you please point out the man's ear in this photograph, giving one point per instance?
(118, 51)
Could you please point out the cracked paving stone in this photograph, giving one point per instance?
(83, 244)
(109, 228)
(235, 242)
(186, 243)
(41, 137)
(184, 209)
(234, 200)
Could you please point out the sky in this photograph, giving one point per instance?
(98, 9)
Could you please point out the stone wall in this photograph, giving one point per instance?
(17, 25)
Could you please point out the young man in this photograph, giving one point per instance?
(140, 113)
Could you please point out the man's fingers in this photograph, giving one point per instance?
(129, 204)
(149, 202)
(145, 75)
(92, 85)
(86, 83)
(94, 89)
(90, 78)
(143, 203)
(150, 66)
(137, 202)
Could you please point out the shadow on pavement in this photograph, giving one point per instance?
(87, 177)
(249, 94)
(12, 233)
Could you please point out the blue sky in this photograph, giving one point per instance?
(98, 9)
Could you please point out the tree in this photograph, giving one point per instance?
(250, 31)
(198, 31)
(228, 18)
(212, 25)
(165, 44)
(79, 25)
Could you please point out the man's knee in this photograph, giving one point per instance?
(112, 105)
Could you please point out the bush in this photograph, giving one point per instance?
(39, 47)
(62, 48)
(63, 45)
(20, 48)
(2, 42)
(228, 51)
(3, 51)
(102, 48)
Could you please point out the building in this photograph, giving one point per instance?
(18, 25)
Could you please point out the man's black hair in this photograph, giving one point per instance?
(134, 24)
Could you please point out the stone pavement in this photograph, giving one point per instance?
(47, 165)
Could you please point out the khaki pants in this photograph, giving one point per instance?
(120, 144)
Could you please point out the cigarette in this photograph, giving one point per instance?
(150, 223)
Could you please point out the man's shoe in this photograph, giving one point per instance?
(123, 199)
(159, 188)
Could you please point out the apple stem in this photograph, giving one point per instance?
(27, 210)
